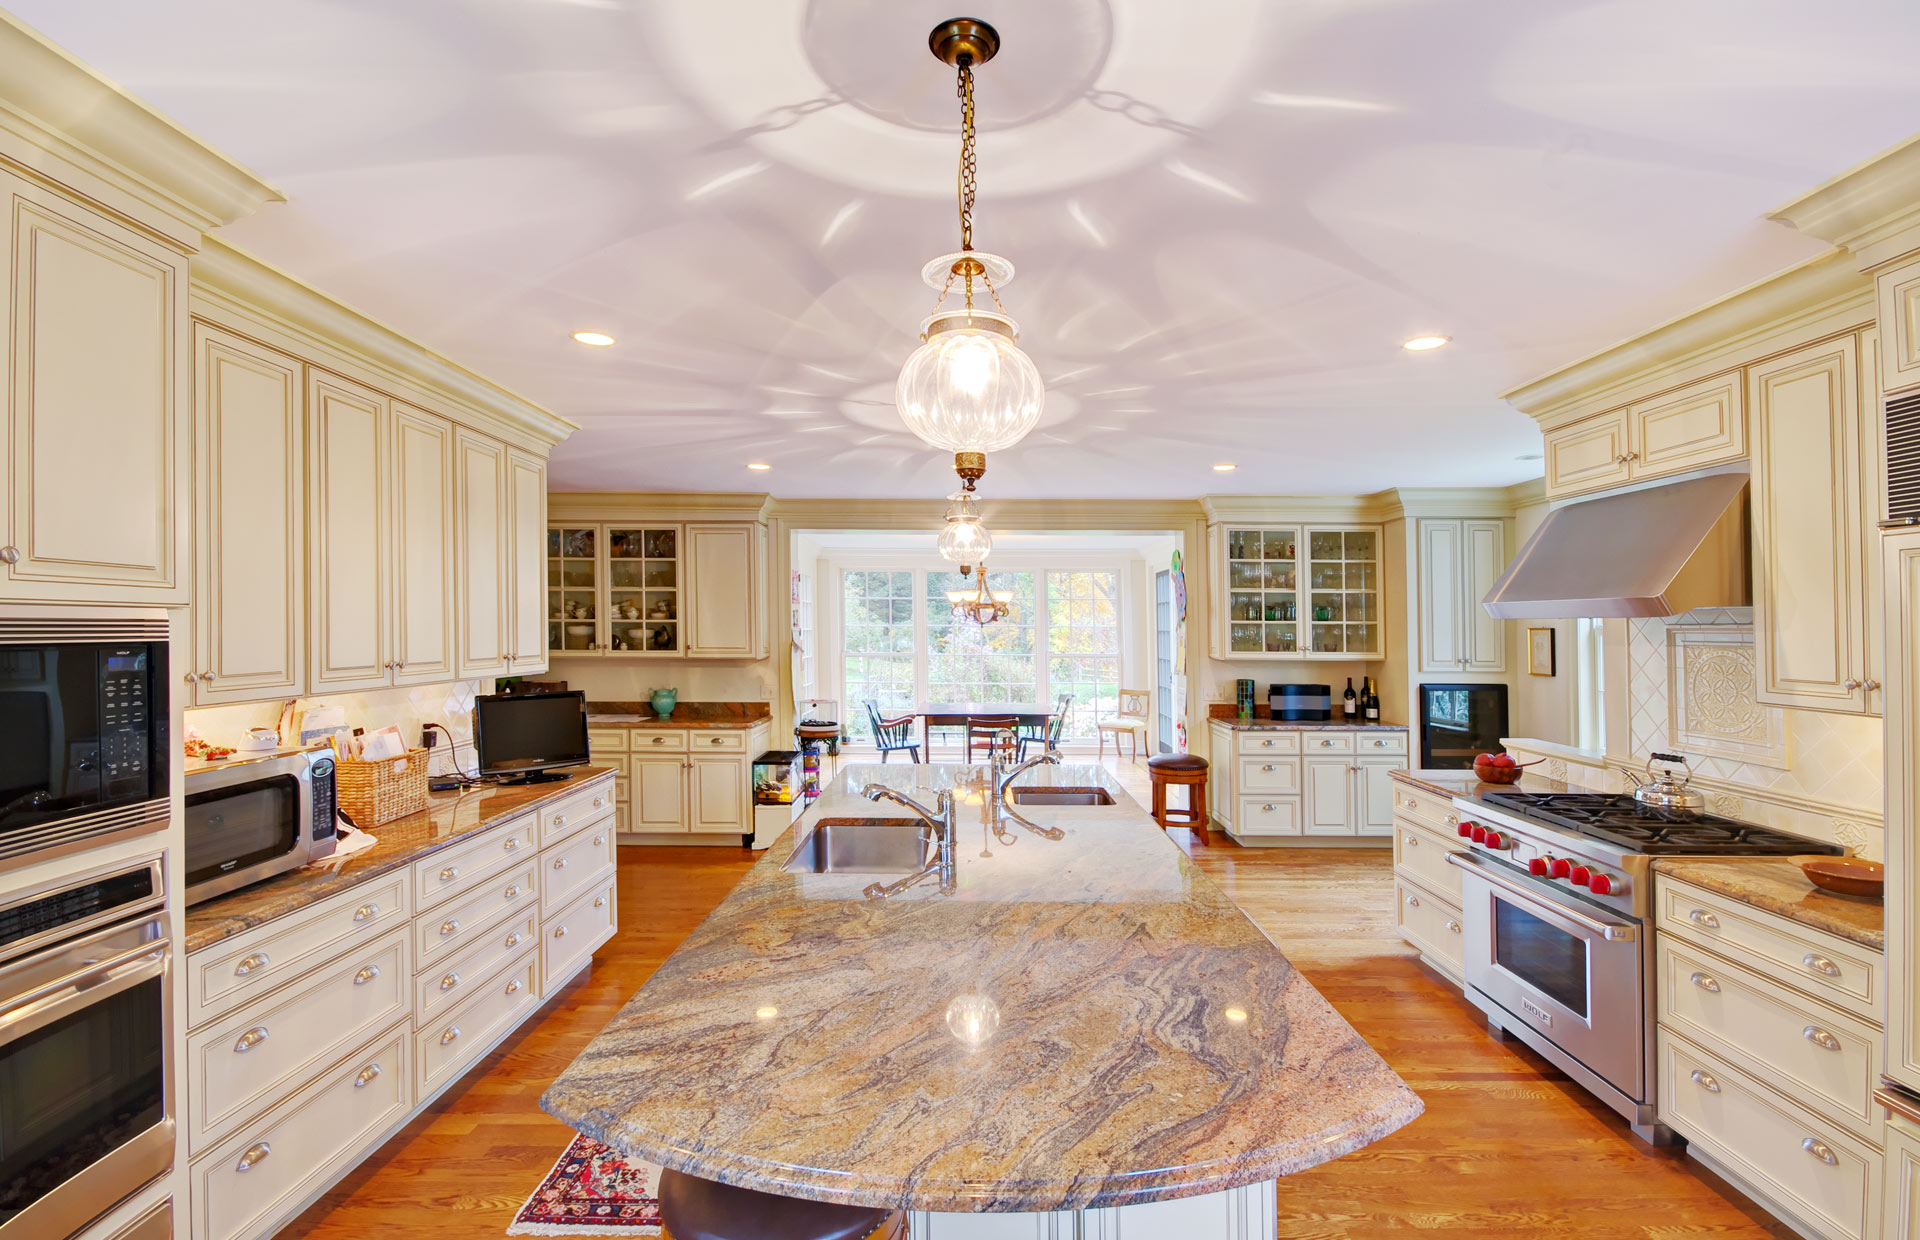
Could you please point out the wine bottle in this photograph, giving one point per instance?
(1370, 707)
(1352, 705)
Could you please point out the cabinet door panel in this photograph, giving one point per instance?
(658, 792)
(348, 515)
(1374, 814)
(1329, 796)
(1690, 427)
(423, 496)
(1483, 546)
(250, 483)
(526, 566)
(97, 351)
(1901, 569)
(1899, 289)
(1873, 506)
(721, 590)
(1442, 645)
(1588, 454)
(1809, 621)
(480, 526)
(719, 790)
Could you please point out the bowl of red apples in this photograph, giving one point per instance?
(1499, 768)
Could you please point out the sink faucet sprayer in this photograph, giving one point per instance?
(1003, 790)
(939, 819)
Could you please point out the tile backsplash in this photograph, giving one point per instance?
(449, 704)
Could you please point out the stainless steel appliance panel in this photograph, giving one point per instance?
(251, 819)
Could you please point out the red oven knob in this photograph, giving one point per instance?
(1479, 834)
(1496, 840)
(1600, 885)
(1466, 828)
(1581, 876)
(1559, 867)
(1538, 867)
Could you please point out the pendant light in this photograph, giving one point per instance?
(964, 541)
(981, 605)
(968, 388)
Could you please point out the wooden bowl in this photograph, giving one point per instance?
(1848, 876)
(1501, 774)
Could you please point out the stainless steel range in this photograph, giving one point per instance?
(1557, 910)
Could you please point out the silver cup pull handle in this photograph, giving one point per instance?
(1820, 1038)
(452, 1032)
(1820, 964)
(1820, 1150)
(366, 1076)
(250, 1039)
(255, 1153)
(1704, 1081)
(1701, 917)
(449, 981)
(366, 912)
(1706, 983)
(366, 975)
(256, 961)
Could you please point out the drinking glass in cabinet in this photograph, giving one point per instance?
(1245, 637)
(1238, 542)
(1280, 576)
(1358, 607)
(1359, 544)
(577, 544)
(576, 574)
(660, 575)
(1327, 607)
(1240, 607)
(1327, 639)
(1360, 575)
(1241, 575)
(1361, 638)
(1281, 545)
(660, 545)
(1325, 545)
(1280, 639)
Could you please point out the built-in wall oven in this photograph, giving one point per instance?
(86, 1010)
(84, 753)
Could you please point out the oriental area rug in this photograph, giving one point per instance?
(592, 1191)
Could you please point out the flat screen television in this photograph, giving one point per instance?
(527, 738)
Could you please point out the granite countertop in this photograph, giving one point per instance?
(1776, 885)
(1457, 783)
(1283, 725)
(1150, 1042)
(449, 818)
(685, 715)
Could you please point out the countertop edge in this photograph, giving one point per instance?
(1830, 919)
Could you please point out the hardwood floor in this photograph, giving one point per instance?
(1508, 1147)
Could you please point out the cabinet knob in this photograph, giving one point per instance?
(1413, 901)
(255, 1153)
(1453, 925)
(513, 940)
(450, 873)
(401, 664)
(1820, 1150)
(1704, 1081)
(9, 555)
(366, 912)
(513, 841)
(250, 1039)
(207, 676)
(599, 801)
(560, 863)
(449, 981)
(366, 1076)
(191, 677)
(1849, 685)
(513, 987)
(451, 1032)
(1820, 964)
(599, 902)
(1871, 686)
(1413, 841)
(449, 927)
(512, 892)
(559, 820)
(659, 740)
(1268, 808)
(599, 839)
(366, 975)
(256, 961)
(1701, 917)
(560, 932)
(1820, 1038)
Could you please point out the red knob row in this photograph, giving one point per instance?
(1582, 876)
(1537, 867)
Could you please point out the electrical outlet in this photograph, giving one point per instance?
(428, 738)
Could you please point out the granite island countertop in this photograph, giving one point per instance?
(1151, 1043)
(685, 715)
(1464, 783)
(448, 818)
(1776, 885)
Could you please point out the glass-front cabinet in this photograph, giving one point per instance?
(614, 589)
(1299, 591)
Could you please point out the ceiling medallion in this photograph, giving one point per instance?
(968, 388)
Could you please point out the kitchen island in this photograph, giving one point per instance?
(1080, 1024)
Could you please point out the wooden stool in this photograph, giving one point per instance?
(1186, 771)
(695, 1209)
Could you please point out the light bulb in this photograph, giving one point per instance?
(969, 387)
(964, 540)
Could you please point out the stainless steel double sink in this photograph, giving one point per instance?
(863, 846)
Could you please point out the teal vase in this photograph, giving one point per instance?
(663, 701)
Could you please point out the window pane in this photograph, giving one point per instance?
(971, 662)
(877, 647)
(1083, 641)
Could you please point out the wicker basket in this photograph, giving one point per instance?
(373, 793)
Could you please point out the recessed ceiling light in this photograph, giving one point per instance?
(1420, 344)
(1531, 456)
(598, 340)
(1225, 467)
(758, 466)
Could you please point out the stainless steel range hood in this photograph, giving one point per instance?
(1654, 550)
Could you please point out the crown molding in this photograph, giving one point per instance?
(1283, 509)
(1825, 291)
(1532, 491)
(1871, 209)
(1105, 515)
(230, 284)
(1452, 502)
(64, 108)
(640, 506)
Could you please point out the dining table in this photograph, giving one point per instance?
(959, 714)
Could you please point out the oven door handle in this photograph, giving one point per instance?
(23, 1013)
(1611, 931)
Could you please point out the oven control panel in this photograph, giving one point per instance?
(1541, 863)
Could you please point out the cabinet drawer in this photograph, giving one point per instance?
(227, 973)
(320, 1132)
(1280, 816)
(1380, 742)
(447, 1045)
(606, 740)
(453, 979)
(1260, 775)
(1817, 1056)
(717, 742)
(449, 929)
(1421, 855)
(1435, 812)
(457, 870)
(239, 1066)
(1826, 967)
(653, 740)
(566, 870)
(1430, 924)
(1259, 744)
(1326, 742)
(573, 933)
(564, 818)
(1779, 1149)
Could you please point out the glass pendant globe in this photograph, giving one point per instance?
(969, 387)
(964, 540)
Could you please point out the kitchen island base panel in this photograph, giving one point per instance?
(1250, 1212)
(1307, 841)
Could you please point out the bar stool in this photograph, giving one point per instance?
(1186, 771)
(695, 1209)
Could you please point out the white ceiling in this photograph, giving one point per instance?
(1226, 213)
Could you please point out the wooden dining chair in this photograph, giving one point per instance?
(1130, 721)
(892, 734)
(984, 730)
(1047, 735)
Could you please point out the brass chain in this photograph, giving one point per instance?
(968, 168)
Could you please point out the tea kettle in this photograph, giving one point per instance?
(1668, 790)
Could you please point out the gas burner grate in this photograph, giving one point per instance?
(1623, 821)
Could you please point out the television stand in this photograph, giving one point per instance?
(531, 777)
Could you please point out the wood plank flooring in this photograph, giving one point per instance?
(1508, 1146)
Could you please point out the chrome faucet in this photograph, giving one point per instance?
(1003, 778)
(939, 820)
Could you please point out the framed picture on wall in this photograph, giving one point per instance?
(1540, 652)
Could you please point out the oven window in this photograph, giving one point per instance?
(73, 1092)
(1542, 955)
(232, 828)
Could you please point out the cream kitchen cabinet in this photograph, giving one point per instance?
(250, 521)
(1459, 562)
(95, 372)
(1814, 527)
(481, 521)
(1303, 782)
(1901, 567)
(655, 590)
(1898, 286)
(422, 570)
(1296, 591)
(726, 617)
(526, 558)
(682, 781)
(1700, 424)
(1901, 1192)
(349, 512)
(657, 787)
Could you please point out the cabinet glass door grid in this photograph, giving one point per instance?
(571, 573)
(643, 589)
(1263, 591)
(1343, 591)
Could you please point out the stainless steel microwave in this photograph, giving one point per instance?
(84, 755)
(252, 818)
